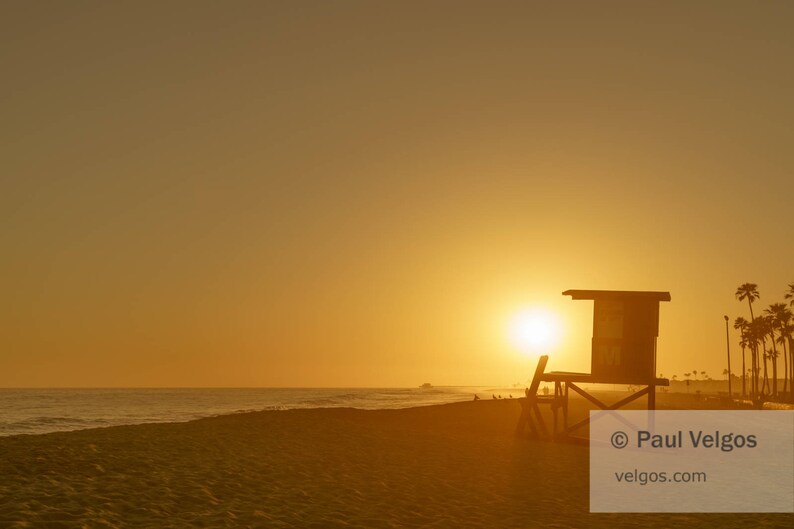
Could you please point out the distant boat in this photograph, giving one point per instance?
(426, 385)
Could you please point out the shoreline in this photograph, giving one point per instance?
(446, 465)
(664, 401)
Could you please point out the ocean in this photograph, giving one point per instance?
(37, 411)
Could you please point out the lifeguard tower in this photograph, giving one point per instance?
(625, 328)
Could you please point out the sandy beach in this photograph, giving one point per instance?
(454, 465)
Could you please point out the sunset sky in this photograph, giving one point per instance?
(364, 193)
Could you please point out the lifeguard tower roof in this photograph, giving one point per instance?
(618, 294)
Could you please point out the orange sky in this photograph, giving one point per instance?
(362, 193)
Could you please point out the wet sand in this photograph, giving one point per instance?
(455, 465)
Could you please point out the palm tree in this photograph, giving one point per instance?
(785, 332)
(741, 324)
(771, 327)
(755, 333)
(768, 329)
(748, 291)
(761, 328)
(779, 317)
(790, 294)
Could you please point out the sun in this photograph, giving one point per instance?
(534, 330)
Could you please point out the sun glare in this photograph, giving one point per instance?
(534, 330)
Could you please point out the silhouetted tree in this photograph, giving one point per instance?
(779, 316)
(755, 333)
(766, 329)
(790, 295)
(748, 291)
(773, 315)
(741, 324)
(785, 332)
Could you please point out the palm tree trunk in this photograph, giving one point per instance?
(752, 372)
(791, 367)
(755, 353)
(754, 367)
(757, 373)
(765, 387)
(774, 364)
(744, 373)
(785, 368)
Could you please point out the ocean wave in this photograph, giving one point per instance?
(35, 411)
(49, 424)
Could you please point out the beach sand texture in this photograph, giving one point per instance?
(454, 465)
